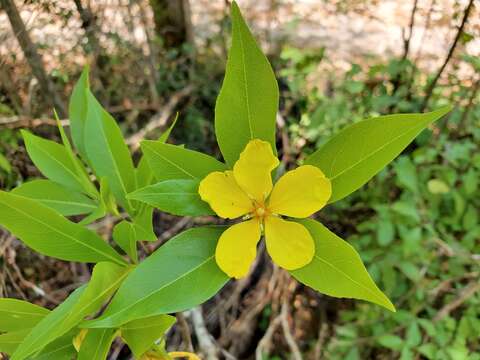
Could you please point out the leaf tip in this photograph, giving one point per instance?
(85, 75)
(389, 305)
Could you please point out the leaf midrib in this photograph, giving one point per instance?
(170, 162)
(157, 290)
(245, 81)
(100, 343)
(376, 151)
(374, 294)
(61, 202)
(57, 350)
(120, 279)
(105, 291)
(112, 159)
(64, 234)
(68, 170)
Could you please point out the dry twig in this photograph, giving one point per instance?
(159, 120)
(464, 295)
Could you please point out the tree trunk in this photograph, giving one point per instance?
(172, 22)
(33, 57)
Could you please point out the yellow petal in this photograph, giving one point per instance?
(300, 192)
(183, 354)
(237, 248)
(253, 169)
(289, 244)
(224, 196)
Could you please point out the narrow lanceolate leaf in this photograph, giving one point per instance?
(60, 349)
(353, 156)
(90, 189)
(248, 101)
(96, 344)
(36, 340)
(337, 269)
(57, 197)
(77, 110)
(157, 286)
(53, 161)
(106, 278)
(49, 233)
(107, 152)
(19, 315)
(140, 335)
(177, 197)
(10, 341)
(174, 162)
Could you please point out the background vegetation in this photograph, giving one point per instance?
(416, 225)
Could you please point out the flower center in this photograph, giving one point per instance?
(260, 211)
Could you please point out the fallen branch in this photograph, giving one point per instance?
(464, 295)
(159, 120)
(24, 121)
(265, 343)
(205, 340)
(296, 354)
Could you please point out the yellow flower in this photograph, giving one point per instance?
(248, 191)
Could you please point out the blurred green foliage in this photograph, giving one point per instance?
(423, 248)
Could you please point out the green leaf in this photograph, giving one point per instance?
(106, 278)
(56, 197)
(407, 209)
(106, 204)
(358, 152)
(140, 335)
(49, 233)
(77, 109)
(10, 341)
(385, 232)
(125, 236)
(53, 161)
(42, 333)
(107, 152)
(391, 341)
(247, 105)
(5, 164)
(143, 224)
(177, 197)
(414, 336)
(19, 315)
(174, 162)
(59, 349)
(143, 172)
(180, 275)
(406, 173)
(96, 344)
(337, 269)
(81, 171)
(411, 271)
(436, 186)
